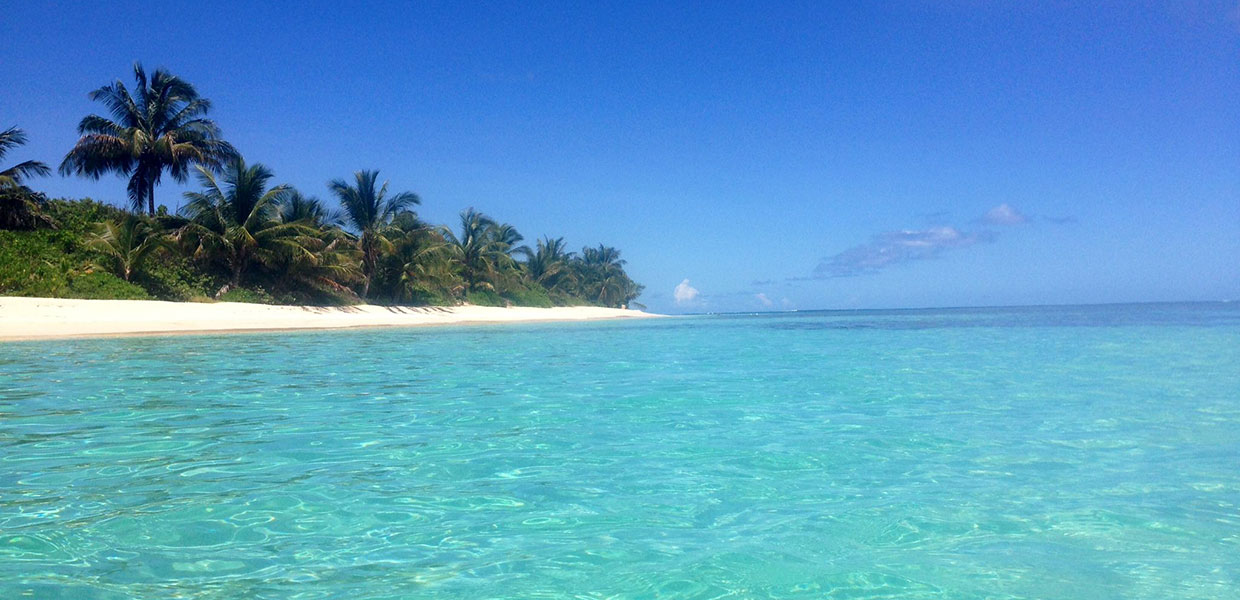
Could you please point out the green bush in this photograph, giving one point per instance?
(248, 295)
(485, 298)
(559, 298)
(101, 285)
(39, 263)
(81, 216)
(529, 296)
(176, 278)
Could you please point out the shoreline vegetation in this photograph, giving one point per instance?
(243, 238)
(57, 318)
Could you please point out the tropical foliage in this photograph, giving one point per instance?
(159, 127)
(19, 206)
(236, 224)
(482, 252)
(241, 237)
(370, 210)
(127, 244)
(15, 175)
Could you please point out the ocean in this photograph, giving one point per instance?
(1041, 452)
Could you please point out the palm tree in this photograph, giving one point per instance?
(19, 207)
(604, 257)
(482, 249)
(329, 268)
(160, 127)
(13, 176)
(127, 244)
(307, 209)
(427, 267)
(548, 264)
(237, 223)
(370, 211)
(601, 278)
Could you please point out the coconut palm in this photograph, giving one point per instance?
(14, 176)
(307, 209)
(329, 268)
(160, 127)
(370, 210)
(601, 278)
(127, 244)
(604, 257)
(236, 222)
(428, 269)
(481, 250)
(548, 264)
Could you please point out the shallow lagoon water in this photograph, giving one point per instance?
(1060, 452)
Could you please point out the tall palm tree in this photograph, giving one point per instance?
(369, 210)
(160, 127)
(13, 176)
(237, 223)
(127, 244)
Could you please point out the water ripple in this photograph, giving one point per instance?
(941, 454)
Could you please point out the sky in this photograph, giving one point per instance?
(744, 156)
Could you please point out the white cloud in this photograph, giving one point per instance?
(1004, 214)
(767, 302)
(896, 247)
(685, 293)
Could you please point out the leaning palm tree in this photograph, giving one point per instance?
(160, 127)
(369, 210)
(237, 223)
(126, 245)
(14, 176)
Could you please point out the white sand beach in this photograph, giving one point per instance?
(39, 318)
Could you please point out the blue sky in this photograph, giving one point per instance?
(744, 156)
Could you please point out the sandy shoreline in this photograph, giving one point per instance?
(50, 318)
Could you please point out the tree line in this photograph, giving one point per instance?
(240, 231)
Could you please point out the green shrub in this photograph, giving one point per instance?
(419, 296)
(529, 296)
(176, 278)
(248, 295)
(559, 298)
(485, 298)
(101, 285)
(38, 263)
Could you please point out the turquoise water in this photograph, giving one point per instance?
(1081, 452)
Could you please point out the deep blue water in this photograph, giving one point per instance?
(1047, 452)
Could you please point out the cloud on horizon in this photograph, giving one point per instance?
(685, 293)
(766, 301)
(1004, 214)
(897, 247)
(908, 245)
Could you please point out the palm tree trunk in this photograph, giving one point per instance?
(233, 284)
(150, 197)
(370, 256)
